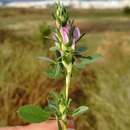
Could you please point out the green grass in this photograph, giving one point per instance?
(103, 86)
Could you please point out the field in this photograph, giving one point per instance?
(104, 85)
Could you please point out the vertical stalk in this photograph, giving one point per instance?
(63, 125)
(63, 121)
(68, 79)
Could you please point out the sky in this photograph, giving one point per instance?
(48, 0)
(36, 0)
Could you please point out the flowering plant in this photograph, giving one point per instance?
(66, 37)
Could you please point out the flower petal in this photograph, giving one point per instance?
(76, 34)
(64, 33)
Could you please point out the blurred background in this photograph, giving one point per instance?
(104, 85)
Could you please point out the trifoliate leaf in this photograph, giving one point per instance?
(79, 111)
(33, 114)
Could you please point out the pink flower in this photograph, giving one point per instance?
(76, 36)
(65, 34)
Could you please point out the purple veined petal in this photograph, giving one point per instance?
(64, 33)
(76, 34)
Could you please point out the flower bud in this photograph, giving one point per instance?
(76, 33)
(76, 36)
(60, 14)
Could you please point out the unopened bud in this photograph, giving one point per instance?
(61, 14)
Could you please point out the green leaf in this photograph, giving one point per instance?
(46, 59)
(54, 72)
(54, 48)
(52, 108)
(45, 37)
(80, 49)
(33, 114)
(79, 111)
(54, 95)
(87, 60)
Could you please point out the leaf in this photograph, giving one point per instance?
(80, 49)
(54, 72)
(79, 111)
(69, 101)
(46, 59)
(33, 114)
(87, 60)
(53, 48)
(45, 37)
(91, 58)
(54, 94)
(52, 108)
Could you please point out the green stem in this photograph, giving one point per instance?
(68, 67)
(68, 79)
(63, 125)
